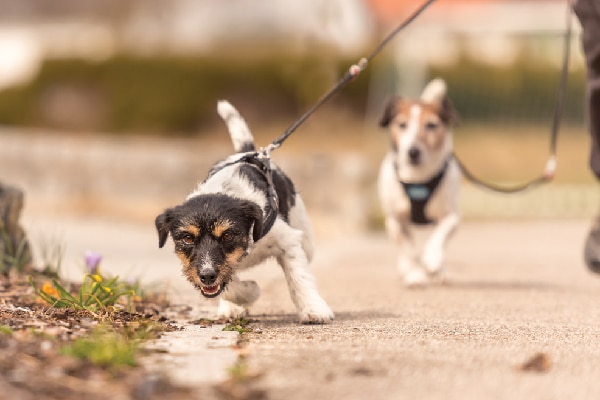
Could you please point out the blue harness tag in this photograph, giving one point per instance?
(418, 192)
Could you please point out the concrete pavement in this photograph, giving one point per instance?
(513, 289)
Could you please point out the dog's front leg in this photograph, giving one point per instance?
(434, 250)
(310, 305)
(408, 262)
(237, 297)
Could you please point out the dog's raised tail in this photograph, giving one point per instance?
(242, 138)
(435, 91)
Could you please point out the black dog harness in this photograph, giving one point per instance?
(420, 194)
(264, 166)
(272, 207)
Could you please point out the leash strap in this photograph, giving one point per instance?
(357, 68)
(550, 168)
(352, 72)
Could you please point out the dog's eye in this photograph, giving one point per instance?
(431, 126)
(402, 125)
(226, 236)
(187, 239)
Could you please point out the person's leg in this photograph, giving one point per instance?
(588, 12)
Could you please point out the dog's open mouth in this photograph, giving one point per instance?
(212, 291)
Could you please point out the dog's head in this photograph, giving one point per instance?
(212, 233)
(421, 130)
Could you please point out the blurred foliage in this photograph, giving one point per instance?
(166, 94)
(523, 93)
(127, 94)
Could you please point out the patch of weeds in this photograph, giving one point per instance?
(104, 348)
(5, 330)
(95, 293)
(52, 256)
(239, 325)
(242, 383)
(13, 256)
(143, 330)
(240, 372)
(113, 346)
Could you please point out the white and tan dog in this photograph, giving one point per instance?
(419, 179)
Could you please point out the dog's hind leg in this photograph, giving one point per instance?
(311, 307)
(237, 297)
(299, 220)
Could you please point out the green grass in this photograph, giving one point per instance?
(51, 254)
(95, 293)
(239, 325)
(14, 256)
(5, 330)
(104, 348)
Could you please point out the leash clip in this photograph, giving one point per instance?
(359, 67)
(550, 169)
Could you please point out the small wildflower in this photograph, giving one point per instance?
(132, 281)
(107, 289)
(92, 262)
(49, 289)
(96, 278)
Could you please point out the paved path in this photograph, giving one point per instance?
(513, 289)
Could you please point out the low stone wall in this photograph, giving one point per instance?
(15, 251)
(137, 177)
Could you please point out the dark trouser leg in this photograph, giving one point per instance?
(588, 12)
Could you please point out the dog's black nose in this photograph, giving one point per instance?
(208, 276)
(414, 155)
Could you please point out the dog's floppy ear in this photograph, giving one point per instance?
(448, 113)
(253, 212)
(389, 111)
(163, 225)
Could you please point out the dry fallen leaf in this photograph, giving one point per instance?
(539, 362)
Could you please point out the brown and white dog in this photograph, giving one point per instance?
(419, 179)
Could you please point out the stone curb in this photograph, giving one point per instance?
(194, 356)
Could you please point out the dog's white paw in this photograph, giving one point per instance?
(316, 313)
(407, 264)
(416, 277)
(433, 261)
(228, 310)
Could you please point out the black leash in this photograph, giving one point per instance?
(352, 72)
(261, 159)
(550, 168)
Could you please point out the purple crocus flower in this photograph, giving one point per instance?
(132, 281)
(92, 261)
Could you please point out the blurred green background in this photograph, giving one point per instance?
(176, 95)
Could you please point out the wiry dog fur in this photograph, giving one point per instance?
(218, 231)
(421, 147)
